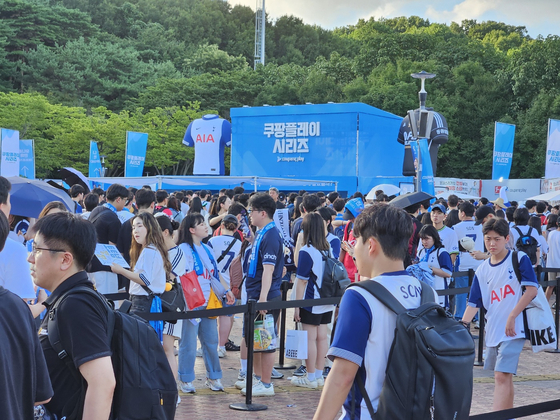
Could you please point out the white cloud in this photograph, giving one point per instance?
(467, 9)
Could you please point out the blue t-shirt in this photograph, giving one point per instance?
(271, 251)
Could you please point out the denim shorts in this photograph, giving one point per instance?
(505, 356)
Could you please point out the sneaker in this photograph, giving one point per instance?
(187, 387)
(221, 352)
(259, 390)
(231, 346)
(242, 383)
(326, 371)
(300, 371)
(214, 384)
(241, 375)
(304, 382)
(276, 375)
(178, 401)
(320, 381)
(199, 352)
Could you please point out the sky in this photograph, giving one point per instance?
(540, 17)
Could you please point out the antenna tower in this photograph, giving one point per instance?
(260, 27)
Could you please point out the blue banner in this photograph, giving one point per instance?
(9, 143)
(95, 170)
(552, 168)
(427, 184)
(27, 159)
(504, 135)
(136, 144)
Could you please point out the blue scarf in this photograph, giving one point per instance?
(427, 254)
(198, 266)
(157, 325)
(110, 207)
(255, 251)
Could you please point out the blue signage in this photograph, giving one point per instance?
(504, 135)
(95, 170)
(136, 145)
(26, 159)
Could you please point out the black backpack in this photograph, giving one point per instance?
(527, 243)
(335, 277)
(146, 388)
(429, 372)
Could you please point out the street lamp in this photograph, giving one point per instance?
(422, 128)
(103, 165)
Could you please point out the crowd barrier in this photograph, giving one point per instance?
(252, 307)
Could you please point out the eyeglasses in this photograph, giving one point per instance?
(34, 249)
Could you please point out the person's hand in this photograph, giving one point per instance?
(284, 271)
(264, 311)
(348, 248)
(297, 318)
(116, 268)
(42, 296)
(230, 298)
(479, 255)
(510, 327)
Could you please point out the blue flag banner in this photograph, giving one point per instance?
(552, 168)
(27, 159)
(504, 135)
(427, 184)
(95, 170)
(9, 143)
(136, 145)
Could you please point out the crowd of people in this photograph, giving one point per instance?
(163, 237)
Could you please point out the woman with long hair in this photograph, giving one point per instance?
(333, 240)
(218, 210)
(433, 255)
(314, 319)
(149, 265)
(199, 258)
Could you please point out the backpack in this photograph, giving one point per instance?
(335, 277)
(429, 372)
(236, 277)
(527, 243)
(146, 388)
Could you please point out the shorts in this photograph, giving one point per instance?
(275, 313)
(315, 319)
(174, 330)
(505, 356)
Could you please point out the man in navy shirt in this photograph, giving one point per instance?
(263, 280)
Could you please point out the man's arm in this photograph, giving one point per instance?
(337, 387)
(101, 382)
(268, 270)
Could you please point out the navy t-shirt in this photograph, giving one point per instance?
(271, 251)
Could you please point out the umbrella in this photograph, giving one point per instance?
(388, 189)
(405, 200)
(72, 176)
(28, 197)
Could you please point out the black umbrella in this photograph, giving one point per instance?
(28, 196)
(72, 176)
(405, 200)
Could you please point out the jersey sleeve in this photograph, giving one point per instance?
(475, 296)
(270, 249)
(455, 243)
(335, 246)
(187, 139)
(528, 277)
(444, 260)
(226, 133)
(352, 329)
(305, 265)
(145, 265)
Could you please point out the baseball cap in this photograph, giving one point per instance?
(353, 208)
(230, 218)
(482, 213)
(440, 207)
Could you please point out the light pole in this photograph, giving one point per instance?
(421, 128)
(103, 165)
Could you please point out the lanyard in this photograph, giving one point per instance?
(198, 265)
(255, 250)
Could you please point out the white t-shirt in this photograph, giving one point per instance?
(310, 268)
(365, 331)
(497, 288)
(468, 228)
(441, 259)
(553, 256)
(151, 270)
(178, 261)
(15, 274)
(218, 245)
(208, 271)
(449, 240)
(524, 230)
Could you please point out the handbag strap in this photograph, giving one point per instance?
(226, 250)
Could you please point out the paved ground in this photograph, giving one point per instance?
(538, 380)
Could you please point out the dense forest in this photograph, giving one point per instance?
(78, 70)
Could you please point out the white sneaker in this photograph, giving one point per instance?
(241, 375)
(242, 382)
(304, 382)
(320, 381)
(214, 384)
(199, 352)
(187, 387)
(259, 390)
(221, 352)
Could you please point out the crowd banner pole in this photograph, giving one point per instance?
(249, 340)
(556, 315)
(286, 285)
(481, 322)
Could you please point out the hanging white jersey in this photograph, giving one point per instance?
(209, 135)
(468, 228)
(218, 245)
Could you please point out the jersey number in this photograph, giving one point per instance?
(230, 256)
